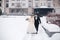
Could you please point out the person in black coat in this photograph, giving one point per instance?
(36, 22)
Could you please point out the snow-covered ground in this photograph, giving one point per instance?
(12, 27)
(15, 28)
(42, 34)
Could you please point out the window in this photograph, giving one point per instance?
(13, 0)
(23, 4)
(23, 0)
(41, 4)
(12, 10)
(17, 10)
(48, 0)
(49, 5)
(18, 0)
(0, 4)
(54, 5)
(12, 4)
(18, 5)
(7, 0)
(29, 0)
(36, 0)
(7, 5)
(30, 4)
(36, 5)
(59, 0)
(59, 4)
(0, 0)
(44, 4)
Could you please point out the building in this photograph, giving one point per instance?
(26, 7)
(56, 4)
(2, 5)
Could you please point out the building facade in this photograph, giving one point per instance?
(25, 7)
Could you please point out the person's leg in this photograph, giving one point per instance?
(37, 27)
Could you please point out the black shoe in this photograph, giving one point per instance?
(36, 32)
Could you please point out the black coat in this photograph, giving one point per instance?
(37, 21)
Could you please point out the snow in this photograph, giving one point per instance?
(43, 7)
(49, 26)
(15, 28)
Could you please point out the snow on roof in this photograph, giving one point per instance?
(43, 7)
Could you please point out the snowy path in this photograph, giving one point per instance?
(15, 27)
(42, 35)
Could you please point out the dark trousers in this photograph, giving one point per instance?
(36, 26)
